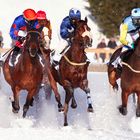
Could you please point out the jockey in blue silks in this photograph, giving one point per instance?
(20, 23)
(35, 21)
(129, 32)
(66, 32)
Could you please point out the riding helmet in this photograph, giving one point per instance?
(74, 14)
(29, 14)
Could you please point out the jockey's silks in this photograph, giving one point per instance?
(123, 34)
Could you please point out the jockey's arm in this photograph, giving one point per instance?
(14, 32)
(123, 34)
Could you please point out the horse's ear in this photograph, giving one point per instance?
(86, 20)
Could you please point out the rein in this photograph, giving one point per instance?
(127, 65)
(35, 32)
(73, 63)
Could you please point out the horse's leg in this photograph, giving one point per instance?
(84, 86)
(123, 108)
(48, 91)
(138, 105)
(112, 79)
(73, 102)
(69, 93)
(15, 103)
(55, 89)
(29, 99)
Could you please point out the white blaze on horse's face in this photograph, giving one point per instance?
(87, 33)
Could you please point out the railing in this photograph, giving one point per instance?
(98, 51)
(93, 67)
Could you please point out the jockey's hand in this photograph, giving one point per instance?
(21, 39)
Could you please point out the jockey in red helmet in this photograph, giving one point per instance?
(46, 27)
(20, 23)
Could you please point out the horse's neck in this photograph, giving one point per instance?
(26, 59)
(137, 50)
(76, 53)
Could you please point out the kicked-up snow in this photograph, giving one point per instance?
(44, 122)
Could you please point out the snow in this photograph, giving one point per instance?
(43, 121)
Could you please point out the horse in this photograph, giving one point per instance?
(27, 73)
(130, 79)
(73, 67)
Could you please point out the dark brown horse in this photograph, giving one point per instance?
(73, 67)
(28, 72)
(130, 79)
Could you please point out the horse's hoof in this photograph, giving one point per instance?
(116, 88)
(60, 108)
(65, 124)
(73, 105)
(32, 102)
(122, 110)
(138, 112)
(24, 114)
(90, 108)
(14, 111)
(15, 108)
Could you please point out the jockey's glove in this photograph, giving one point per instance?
(21, 39)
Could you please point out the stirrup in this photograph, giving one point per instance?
(56, 64)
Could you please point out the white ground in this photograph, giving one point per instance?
(45, 123)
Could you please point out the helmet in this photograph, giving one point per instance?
(74, 14)
(135, 15)
(29, 14)
(41, 15)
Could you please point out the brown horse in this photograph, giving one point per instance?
(27, 73)
(73, 67)
(130, 79)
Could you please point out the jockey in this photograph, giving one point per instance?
(46, 28)
(129, 32)
(20, 23)
(66, 32)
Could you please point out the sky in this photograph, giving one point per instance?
(43, 122)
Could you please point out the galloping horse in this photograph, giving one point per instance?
(130, 79)
(73, 67)
(27, 73)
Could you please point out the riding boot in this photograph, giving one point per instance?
(56, 59)
(14, 54)
(117, 62)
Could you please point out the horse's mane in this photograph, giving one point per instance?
(136, 42)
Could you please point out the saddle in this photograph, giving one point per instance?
(125, 56)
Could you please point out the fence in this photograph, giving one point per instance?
(106, 51)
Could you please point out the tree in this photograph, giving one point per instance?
(110, 13)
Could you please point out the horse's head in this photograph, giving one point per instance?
(33, 40)
(83, 33)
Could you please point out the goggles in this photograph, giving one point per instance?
(136, 21)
